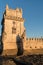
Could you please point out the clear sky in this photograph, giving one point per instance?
(32, 13)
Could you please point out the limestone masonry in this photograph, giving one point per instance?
(13, 25)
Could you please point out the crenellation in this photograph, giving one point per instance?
(14, 13)
(36, 39)
(34, 43)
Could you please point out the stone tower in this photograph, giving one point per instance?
(13, 24)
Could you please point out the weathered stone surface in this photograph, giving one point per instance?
(13, 25)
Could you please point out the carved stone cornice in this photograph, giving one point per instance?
(14, 18)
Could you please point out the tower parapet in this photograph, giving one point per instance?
(14, 13)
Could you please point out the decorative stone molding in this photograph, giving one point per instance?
(14, 18)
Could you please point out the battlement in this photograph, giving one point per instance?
(34, 39)
(34, 43)
(14, 13)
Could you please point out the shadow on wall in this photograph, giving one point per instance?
(1, 47)
(19, 45)
(1, 43)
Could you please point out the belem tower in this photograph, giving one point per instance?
(13, 26)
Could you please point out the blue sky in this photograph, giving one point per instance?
(32, 13)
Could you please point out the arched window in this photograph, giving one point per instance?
(13, 30)
(14, 24)
(14, 27)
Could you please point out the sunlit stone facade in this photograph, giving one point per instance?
(13, 25)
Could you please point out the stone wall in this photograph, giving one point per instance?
(34, 43)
